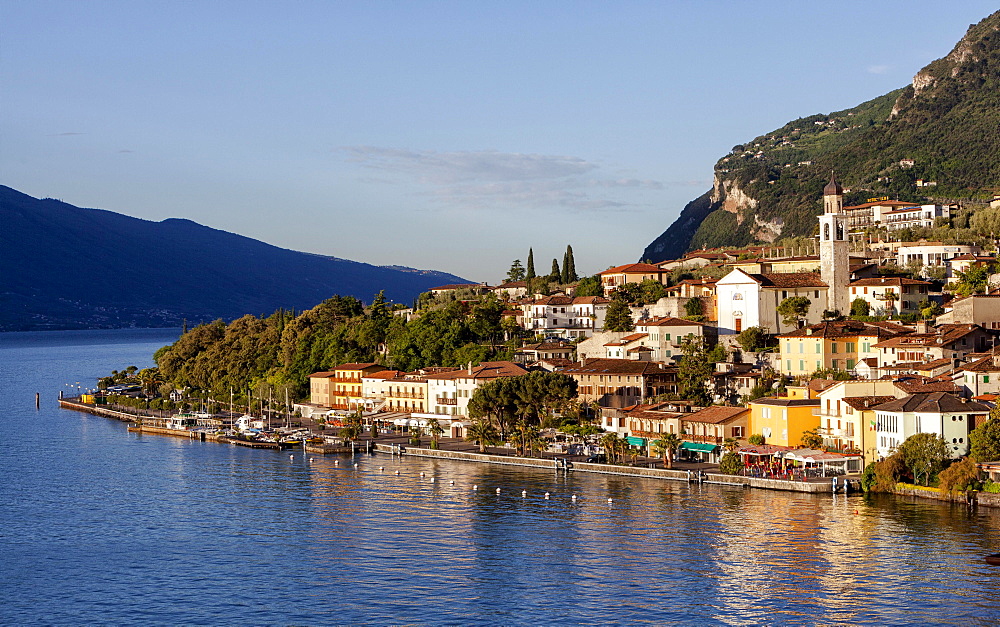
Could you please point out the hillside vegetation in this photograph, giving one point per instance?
(947, 122)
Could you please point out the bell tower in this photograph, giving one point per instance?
(833, 248)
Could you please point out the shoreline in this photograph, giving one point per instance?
(556, 463)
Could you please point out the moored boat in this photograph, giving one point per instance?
(993, 560)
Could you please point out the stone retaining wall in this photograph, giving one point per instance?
(986, 499)
(682, 475)
(472, 457)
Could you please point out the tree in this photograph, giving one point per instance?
(694, 310)
(618, 316)
(667, 446)
(589, 286)
(961, 475)
(756, 439)
(482, 433)
(886, 473)
(530, 271)
(930, 309)
(569, 266)
(752, 339)
(924, 453)
(984, 440)
(975, 280)
(564, 276)
(731, 444)
(516, 272)
(695, 368)
(793, 309)
(860, 307)
(555, 275)
(435, 429)
(730, 464)
(811, 439)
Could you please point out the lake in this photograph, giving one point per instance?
(98, 525)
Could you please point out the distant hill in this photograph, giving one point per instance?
(63, 267)
(947, 122)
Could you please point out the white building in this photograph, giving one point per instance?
(565, 316)
(939, 413)
(751, 300)
(889, 295)
(933, 253)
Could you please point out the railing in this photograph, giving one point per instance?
(344, 380)
(406, 394)
(447, 401)
(706, 439)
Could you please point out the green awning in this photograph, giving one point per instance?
(699, 446)
(634, 441)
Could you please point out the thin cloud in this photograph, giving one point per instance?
(489, 179)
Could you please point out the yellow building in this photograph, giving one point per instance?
(340, 388)
(836, 345)
(782, 421)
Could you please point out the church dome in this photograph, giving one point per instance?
(833, 188)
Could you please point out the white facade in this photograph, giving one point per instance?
(934, 254)
(834, 263)
(566, 317)
(743, 302)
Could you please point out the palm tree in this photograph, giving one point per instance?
(731, 445)
(436, 430)
(668, 445)
(610, 442)
(483, 433)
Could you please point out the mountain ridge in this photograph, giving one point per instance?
(70, 267)
(947, 121)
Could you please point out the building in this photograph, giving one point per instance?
(341, 388)
(834, 262)
(783, 421)
(870, 214)
(911, 217)
(846, 415)
(532, 353)
(940, 413)
(565, 316)
(475, 288)
(934, 254)
(948, 341)
(448, 393)
(657, 339)
(613, 278)
(751, 300)
(837, 345)
(890, 295)
(982, 376)
(619, 383)
(981, 309)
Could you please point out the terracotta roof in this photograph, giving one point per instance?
(883, 203)
(322, 375)
(485, 370)
(845, 328)
(789, 279)
(385, 374)
(986, 364)
(635, 336)
(632, 267)
(619, 366)
(862, 403)
(511, 284)
(894, 281)
(787, 402)
(818, 385)
(548, 346)
(355, 366)
(640, 349)
(933, 402)
(924, 385)
(716, 414)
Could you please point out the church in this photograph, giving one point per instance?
(748, 300)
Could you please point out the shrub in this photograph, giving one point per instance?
(961, 475)
(730, 464)
(756, 439)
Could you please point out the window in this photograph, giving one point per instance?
(788, 347)
(986, 378)
(802, 364)
(800, 346)
(739, 325)
(737, 432)
(833, 348)
(818, 348)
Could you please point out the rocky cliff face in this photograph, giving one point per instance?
(947, 121)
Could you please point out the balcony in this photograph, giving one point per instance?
(344, 380)
(706, 439)
(417, 395)
(446, 401)
(886, 296)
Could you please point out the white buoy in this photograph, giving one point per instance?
(452, 482)
(574, 497)
(546, 496)
(381, 468)
(524, 493)
(355, 465)
(397, 472)
(311, 460)
(475, 487)
(432, 479)
(421, 474)
(498, 490)
(291, 457)
(610, 500)
(336, 462)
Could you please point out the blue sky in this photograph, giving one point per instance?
(444, 135)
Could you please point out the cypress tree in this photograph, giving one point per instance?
(555, 275)
(564, 277)
(569, 266)
(530, 271)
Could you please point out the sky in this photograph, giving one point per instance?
(440, 135)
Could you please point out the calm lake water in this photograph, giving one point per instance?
(98, 525)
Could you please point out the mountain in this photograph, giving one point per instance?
(66, 267)
(947, 121)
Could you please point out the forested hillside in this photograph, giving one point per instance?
(283, 349)
(947, 123)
